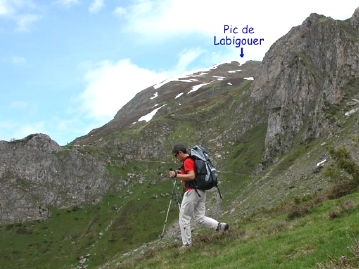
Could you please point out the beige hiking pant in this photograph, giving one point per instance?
(194, 206)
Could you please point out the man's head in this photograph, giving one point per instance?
(180, 152)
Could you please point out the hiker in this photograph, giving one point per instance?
(194, 200)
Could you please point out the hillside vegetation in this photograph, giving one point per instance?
(285, 145)
(310, 230)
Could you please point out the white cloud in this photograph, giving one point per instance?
(24, 22)
(30, 128)
(17, 60)
(4, 125)
(157, 20)
(120, 12)
(96, 6)
(19, 105)
(21, 12)
(186, 57)
(112, 85)
(13, 130)
(169, 16)
(5, 8)
(12, 7)
(67, 3)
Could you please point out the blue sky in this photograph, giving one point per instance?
(68, 66)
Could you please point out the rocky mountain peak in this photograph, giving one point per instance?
(303, 75)
(39, 141)
(290, 98)
(183, 90)
(355, 19)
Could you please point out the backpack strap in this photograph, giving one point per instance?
(191, 183)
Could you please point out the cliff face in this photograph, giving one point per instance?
(247, 114)
(303, 76)
(36, 173)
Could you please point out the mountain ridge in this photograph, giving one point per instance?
(144, 102)
(292, 99)
(266, 136)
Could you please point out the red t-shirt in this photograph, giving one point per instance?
(188, 165)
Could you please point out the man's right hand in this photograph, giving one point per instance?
(172, 174)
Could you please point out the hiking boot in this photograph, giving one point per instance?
(222, 227)
(185, 247)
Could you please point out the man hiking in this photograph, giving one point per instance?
(194, 200)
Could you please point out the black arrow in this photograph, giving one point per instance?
(241, 53)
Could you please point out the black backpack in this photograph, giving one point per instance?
(206, 177)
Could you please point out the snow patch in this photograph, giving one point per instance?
(250, 78)
(188, 80)
(234, 71)
(190, 74)
(179, 95)
(154, 96)
(150, 115)
(321, 163)
(351, 111)
(159, 85)
(196, 87)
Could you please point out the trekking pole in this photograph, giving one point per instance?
(175, 193)
(173, 196)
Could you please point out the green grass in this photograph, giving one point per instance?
(114, 225)
(267, 241)
(248, 152)
(296, 234)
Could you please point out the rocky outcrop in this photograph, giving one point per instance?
(36, 173)
(354, 21)
(291, 98)
(302, 77)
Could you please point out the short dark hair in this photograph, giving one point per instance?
(179, 147)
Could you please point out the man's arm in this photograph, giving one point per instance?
(188, 177)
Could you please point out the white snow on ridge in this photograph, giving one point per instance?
(154, 96)
(351, 111)
(250, 78)
(321, 163)
(234, 71)
(190, 74)
(159, 85)
(188, 80)
(196, 87)
(179, 95)
(225, 62)
(150, 115)
(202, 74)
(219, 78)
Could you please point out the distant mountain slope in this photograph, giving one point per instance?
(187, 89)
(257, 121)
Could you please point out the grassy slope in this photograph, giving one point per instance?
(258, 239)
(268, 239)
